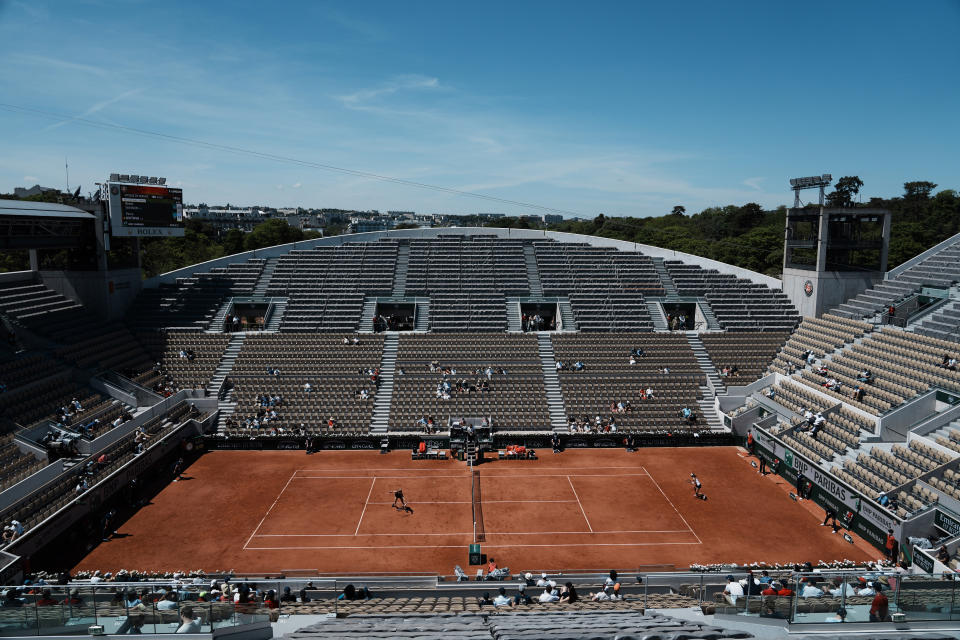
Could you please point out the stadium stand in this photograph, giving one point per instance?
(471, 312)
(610, 312)
(188, 358)
(738, 304)
(608, 379)
(943, 324)
(192, 303)
(567, 267)
(941, 269)
(514, 397)
(336, 373)
(14, 464)
(749, 353)
(466, 264)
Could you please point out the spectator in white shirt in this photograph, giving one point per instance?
(611, 579)
(502, 600)
(542, 582)
(733, 590)
(810, 590)
(168, 603)
(839, 587)
(548, 595)
(601, 596)
(867, 590)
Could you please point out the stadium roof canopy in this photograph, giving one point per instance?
(41, 225)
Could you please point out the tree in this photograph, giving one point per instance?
(271, 232)
(678, 210)
(844, 191)
(233, 242)
(919, 190)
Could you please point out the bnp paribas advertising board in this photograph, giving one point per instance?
(858, 513)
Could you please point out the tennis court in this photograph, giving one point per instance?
(272, 511)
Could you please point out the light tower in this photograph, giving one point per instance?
(831, 254)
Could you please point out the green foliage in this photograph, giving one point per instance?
(844, 191)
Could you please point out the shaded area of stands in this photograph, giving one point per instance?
(515, 400)
(193, 302)
(468, 312)
(738, 304)
(610, 312)
(336, 372)
(325, 286)
(177, 372)
(608, 379)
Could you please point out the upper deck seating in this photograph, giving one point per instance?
(468, 312)
(471, 265)
(610, 312)
(567, 267)
(738, 304)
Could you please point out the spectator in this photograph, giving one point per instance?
(287, 596)
(74, 599)
(880, 607)
(502, 600)
(603, 595)
(522, 597)
(784, 590)
(733, 590)
(548, 595)
(168, 602)
(270, 600)
(810, 590)
(485, 599)
(611, 579)
(891, 545)
(543, 581)
(839, 617)
(771, 589)
(943, 555)
(188, 623)
(46, 599)
(568, 595)
(840, 588)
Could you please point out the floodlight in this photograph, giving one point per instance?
(151, 180)
(161, 181)
(114, 177)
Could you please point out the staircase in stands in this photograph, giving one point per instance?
(219, 320)
(656, 314)
(707, 410)
(225, 402)
(533, 273)
(276, 315)
(551, 383)
(366, 316)
(263, 282)
(712, 323)
(566, 315)
(669, 288)
(423, 316)
(380, 421)
(513, 315)
(706, 365)
(400, 273)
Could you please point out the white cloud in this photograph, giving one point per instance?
(94, 109)
(30, 178)
(279, 187)
(297, 185)
(400, 83)
(754, 183)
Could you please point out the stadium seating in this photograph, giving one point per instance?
(749, 352)
(185, 373)
(610, 312)
(738, 304)
(515, 400)
(192, 303)
(14, 464)
(335, 371)
(468, 312)
(568, 267)
(466, 264)
(608, 378)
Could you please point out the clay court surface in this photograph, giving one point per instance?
(272, 511)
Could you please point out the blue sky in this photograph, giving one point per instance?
(626, 108)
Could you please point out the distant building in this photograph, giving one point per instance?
(552, 218)
(363, 225)
(35, 190)
(226, 219)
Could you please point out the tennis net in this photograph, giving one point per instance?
(478, 532)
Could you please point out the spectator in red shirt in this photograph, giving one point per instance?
(891, 546)
(271, 600)
(880, 607)
(784, 591)
(770, 590)
(46, 599)
(491, 566)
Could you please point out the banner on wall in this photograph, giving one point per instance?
(857, 513)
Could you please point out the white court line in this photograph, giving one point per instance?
(488, 546)
(424, 470)
(581, 504)
(369, 493)
(485, 475)
(269, 510)
(493, 533)
(657, 485)
(411, 503)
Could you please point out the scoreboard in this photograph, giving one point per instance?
(145, 210)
